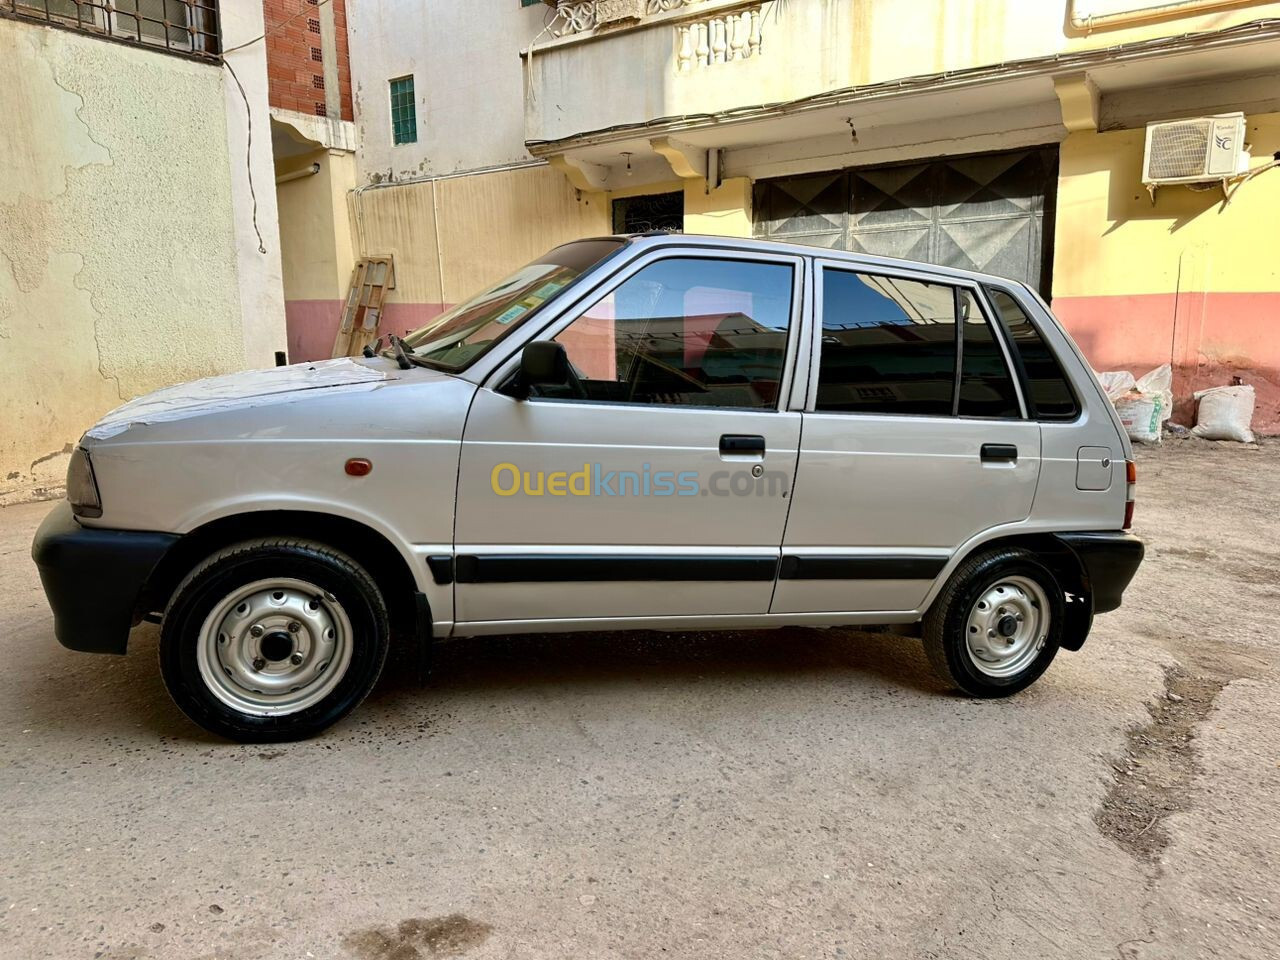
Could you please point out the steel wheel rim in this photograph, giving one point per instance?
(274, 647)
(1007, 626)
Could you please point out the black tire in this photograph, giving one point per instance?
(245, 563)
(946, 623)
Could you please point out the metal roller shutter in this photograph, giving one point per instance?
(991, 212)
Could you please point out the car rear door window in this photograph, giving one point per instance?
(686, 331)
(889, 345)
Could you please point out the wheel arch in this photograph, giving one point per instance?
(368, 547)
(1065, 566)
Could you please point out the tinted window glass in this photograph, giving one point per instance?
(888, 345)
(986, 388)
(459, 336)
(1050, 394)
(687, 331)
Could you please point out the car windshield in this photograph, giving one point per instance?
(458, 337)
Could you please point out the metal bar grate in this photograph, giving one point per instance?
(184, 27)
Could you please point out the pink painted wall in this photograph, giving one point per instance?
(1208, 337)
(312, 325)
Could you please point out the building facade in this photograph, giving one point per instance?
(137, 220)
(995, 134)
(313, 143)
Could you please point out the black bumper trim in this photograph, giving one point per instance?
(93, 578)
(441, 568)
(1109, 560)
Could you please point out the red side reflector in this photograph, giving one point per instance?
(1128, 515)
(1130, 472)
(359, 466)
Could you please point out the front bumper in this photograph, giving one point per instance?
(1109, 560)
(93, 578)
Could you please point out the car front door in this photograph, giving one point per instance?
(915, 440)
(655, 482)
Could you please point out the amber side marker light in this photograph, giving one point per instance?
(359, 467)
(1130, 480)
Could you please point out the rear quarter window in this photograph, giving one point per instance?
(1048, 391)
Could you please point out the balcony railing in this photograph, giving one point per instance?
(664, 58)
(718, 35)
(582, 16)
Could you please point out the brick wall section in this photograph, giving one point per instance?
(344, 65)
(295, 73)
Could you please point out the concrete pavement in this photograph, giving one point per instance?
(795, 793)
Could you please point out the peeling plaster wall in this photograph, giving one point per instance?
(120, 253)
(464, 57)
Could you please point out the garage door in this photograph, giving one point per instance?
(991, 212)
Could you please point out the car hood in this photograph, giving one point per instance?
(250, 388)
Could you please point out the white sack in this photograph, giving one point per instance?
(1116, 383)
(1159, 381)
(1141, 414)
(1225, 413)
(1143, 405)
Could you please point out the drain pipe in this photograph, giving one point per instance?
(310, 171)
(1087, 22)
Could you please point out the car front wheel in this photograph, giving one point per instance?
(273, 639)
(997, 624)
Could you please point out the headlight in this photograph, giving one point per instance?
(82, 489)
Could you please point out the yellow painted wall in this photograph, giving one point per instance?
(315, 235)
(450, 237)
(724, 212)
(957, 34)
(1188, 281)
(1111, 240)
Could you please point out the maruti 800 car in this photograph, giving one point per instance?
(659, 432)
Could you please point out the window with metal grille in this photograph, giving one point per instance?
(404, 115)
(188, 27)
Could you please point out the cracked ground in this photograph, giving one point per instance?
(792, 793)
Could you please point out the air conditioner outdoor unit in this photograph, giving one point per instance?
(1199, 150)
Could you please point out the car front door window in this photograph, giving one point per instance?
(684, 331)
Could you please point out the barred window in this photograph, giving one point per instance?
(180, 26)
(404, 112)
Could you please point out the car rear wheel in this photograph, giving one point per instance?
(273, 639)
(997, 624)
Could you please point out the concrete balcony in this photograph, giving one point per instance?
(621, 94)
(616, 65)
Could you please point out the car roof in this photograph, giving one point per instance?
(662, 238)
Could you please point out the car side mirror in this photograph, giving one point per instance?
(543, 363)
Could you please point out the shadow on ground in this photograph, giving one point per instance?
(89, 694)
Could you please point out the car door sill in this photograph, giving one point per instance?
(761, 621)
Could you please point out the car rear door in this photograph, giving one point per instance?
(915, 440)
(657, 484)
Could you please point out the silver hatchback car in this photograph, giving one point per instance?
(657, 432)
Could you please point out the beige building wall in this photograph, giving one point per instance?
(317, 247)
(123, 266)
(452, 236)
